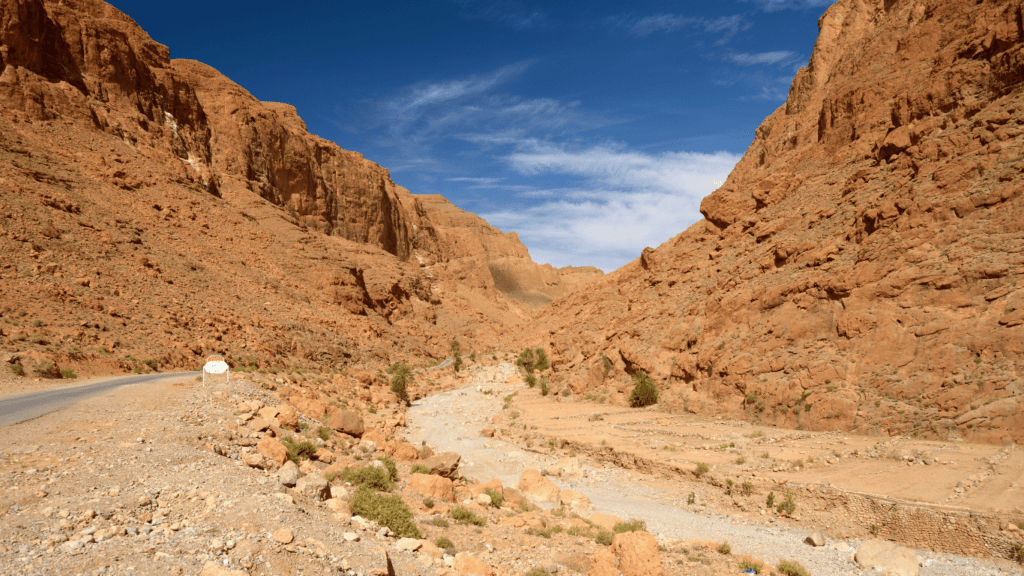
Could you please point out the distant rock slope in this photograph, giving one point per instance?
(862, 268)
(152, 208)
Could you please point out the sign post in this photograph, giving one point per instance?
(215, 364)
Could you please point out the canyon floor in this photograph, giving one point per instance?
(153, 479)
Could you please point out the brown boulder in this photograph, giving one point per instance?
(405, 452)
(310, 407)
(638, 554)
(538, 488)
(603, 563)
(888, 557)
(471, 566)
(443, 464)
(432, 486)
(273, 449)
(288, 417)
(495, 484)
(348, 422)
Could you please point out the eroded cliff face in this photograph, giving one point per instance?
(861, 268)
(152, 208)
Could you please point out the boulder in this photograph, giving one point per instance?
(538, 488)
(284, 536)
(443, 464)
(313, 486)
(288, 417)
(254, 460)
(348, 422)
(603, 563)
(886, 557)
(576, 502)
(273, 449)
(815, 538)
(339, 506)
(471, 566)
(406, 452)
(495, 484)
(433, 486)
(288, 475)
(637, 553)
(312, 408)
(605, 521)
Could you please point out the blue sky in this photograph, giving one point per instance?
(593, 129)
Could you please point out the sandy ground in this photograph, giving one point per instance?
(531, 429)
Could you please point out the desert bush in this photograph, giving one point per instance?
(68, 373)
(691, 498)
(701, 469)
(419, 469)
(1018, 551)
(298, 451)
(401, 377)
(748, 565)
(439, 522)
(771, 500)
(18, 369)
(544, 533)
(46, 369)
(544, 388)
(604, 537)
(368, 477)
(644, 392)
(724, 548)
(325, 433)
(391, 466)
(387, 510)
(151, 363)
(464, 516)
(538, 571)
(444, 543)
(752, 398)
(566, 392)
(531, 379)
(788, 505)
(523, 506)
(428, 502)
(746, 488)
(632, 525)
(606, 364)
(497, 498)
(792, 568)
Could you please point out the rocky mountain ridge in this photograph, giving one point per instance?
(154, 201)
(860, 268)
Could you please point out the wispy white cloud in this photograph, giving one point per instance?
(628, 200)
(731, 25)
(511, 13)
(774, 57)
(776, 5)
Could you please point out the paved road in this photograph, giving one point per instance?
(15, 409)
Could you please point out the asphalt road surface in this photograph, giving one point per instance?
(22, 407)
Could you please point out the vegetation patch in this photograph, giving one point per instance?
(298, 451)
(387, 510)
(792, 568)
(368, 477)
(464, 516)
(644, 392)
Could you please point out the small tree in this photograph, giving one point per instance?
(401, 377)
(644, 392)
(457, 354)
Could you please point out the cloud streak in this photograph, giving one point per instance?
(773, 57)
(731, 25)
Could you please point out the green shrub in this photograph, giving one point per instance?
(752, 398)
(298, 451)
(691, 498)
(400, 380)
(702, 469)
(497, 498)
(325, 433)
(748, 565)
(18, 369)
(46, 369)
(68, 373)
(368, 477)
(387, 510)
(463, 516)
(151, 363)
(604, 537)
(538, 571)
(1018, 551)
(544, 388)
(439, 522)
(792, 568)
(771, 500)
(644, 392)
(391, 466)
(523, 506)
(746, 488)
(444, 543)
(419, 469)
(606, 364)
(788, 505)
(428, 502)
(632, 525)
(724, 548)
(531, 380)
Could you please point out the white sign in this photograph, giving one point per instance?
(216, 367)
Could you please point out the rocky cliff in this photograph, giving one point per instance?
(862, 268)
(155, 209)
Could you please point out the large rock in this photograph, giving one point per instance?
(444, 464)
(405, 452)
(886, 557)
(288, 417)
(637, 553)
(604, 563)
(313, 486)
(605, 521)
(288, 475)
(576, 502)
(471, 566)
(273, 449)
(538, 488)
(348, 422)
(432, 486)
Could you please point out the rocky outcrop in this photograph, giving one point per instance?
(860, 268)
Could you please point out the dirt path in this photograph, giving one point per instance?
(453, 421)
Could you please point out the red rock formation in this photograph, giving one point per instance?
(861, 268)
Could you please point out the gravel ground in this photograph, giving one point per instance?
(452, 422)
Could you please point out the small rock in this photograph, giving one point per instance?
(288, 474)
(410, 544)
(351, 537)
(284, 536)
(815, 538)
